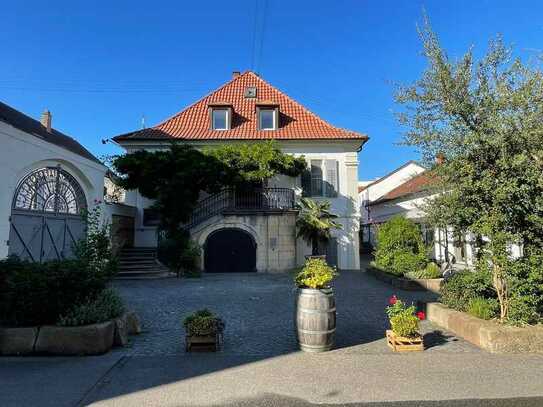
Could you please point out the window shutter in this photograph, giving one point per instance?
(332, 181)
(331, 252)
(306, 183)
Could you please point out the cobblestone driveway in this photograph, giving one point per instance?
(258, 310)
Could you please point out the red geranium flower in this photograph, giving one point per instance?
(392, 300)
(421, 315)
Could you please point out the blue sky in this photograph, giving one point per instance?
(99, 66)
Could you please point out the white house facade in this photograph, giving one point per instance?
(48, 178)
(259, 236)
(371, 191)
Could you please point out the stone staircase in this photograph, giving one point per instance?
(140, 263)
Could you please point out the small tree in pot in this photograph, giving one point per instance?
(315, 306)
(315, 223)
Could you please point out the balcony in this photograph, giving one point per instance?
(242, 201)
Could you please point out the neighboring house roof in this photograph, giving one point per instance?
(33, 127)
(417, 184)
(193, 123)
(362, 188)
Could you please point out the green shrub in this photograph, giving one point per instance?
(95, 249)
(459, 289)
(400, 248)
(484, 308)
(316, 273)
(526, 288)
(405, 262)
(430, 271)
(180, 255)
(405, 324)
(202, 323)
(107, 305)
(38, 293)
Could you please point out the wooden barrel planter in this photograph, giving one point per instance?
(316, 319)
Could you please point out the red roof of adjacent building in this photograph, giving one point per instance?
(193, 123)
(418, 183)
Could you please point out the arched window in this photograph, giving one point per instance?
(51, 190)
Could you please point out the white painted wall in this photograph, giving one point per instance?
(345, 205)
(21, 153)
(386, 184)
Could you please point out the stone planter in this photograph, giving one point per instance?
(488, 335)
(92, 339)
(407, 284)
(17, 341)
(133, 323)
(78, 340)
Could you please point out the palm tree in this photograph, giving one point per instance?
(314, 223)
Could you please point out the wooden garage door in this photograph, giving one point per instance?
(46, 217)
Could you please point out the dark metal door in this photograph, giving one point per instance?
(46, 218)
(230, 251)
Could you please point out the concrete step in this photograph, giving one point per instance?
(149, 267)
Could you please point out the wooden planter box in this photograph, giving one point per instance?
(205, 343)
(401, 344)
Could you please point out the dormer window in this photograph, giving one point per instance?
(220, 116)
(268, 116)
(220, 119)
(267, 119)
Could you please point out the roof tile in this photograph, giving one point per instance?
(296, 122)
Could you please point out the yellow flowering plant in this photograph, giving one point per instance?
(316, 273)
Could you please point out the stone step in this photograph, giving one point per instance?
(139, 250)
(139, 267)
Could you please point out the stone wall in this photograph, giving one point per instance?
(273, 232)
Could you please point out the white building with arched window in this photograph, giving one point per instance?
(48, 178)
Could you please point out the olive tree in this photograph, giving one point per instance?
(486, 117)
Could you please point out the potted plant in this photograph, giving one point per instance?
(204, 331)
(315, 306)
(314, 223)
(404, 322)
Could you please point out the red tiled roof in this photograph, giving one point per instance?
(296, 122)
(419, 183)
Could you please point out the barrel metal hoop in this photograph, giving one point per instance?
(306, 331)
(314, 311)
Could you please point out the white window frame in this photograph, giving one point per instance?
(227, 121)
(274, 118)
(324, 177)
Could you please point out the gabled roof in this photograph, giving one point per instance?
(33, 127)
(364, 187)
(193, 123)
(417, 184)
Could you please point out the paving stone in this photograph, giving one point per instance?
(258, 309)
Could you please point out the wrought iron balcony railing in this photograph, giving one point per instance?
(263, 199)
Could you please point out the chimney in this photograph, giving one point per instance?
(440, 158)
(235, 74)
(46, 120)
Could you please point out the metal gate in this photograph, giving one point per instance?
(46, 217)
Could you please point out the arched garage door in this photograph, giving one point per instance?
(46, 216)
(230, 251)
